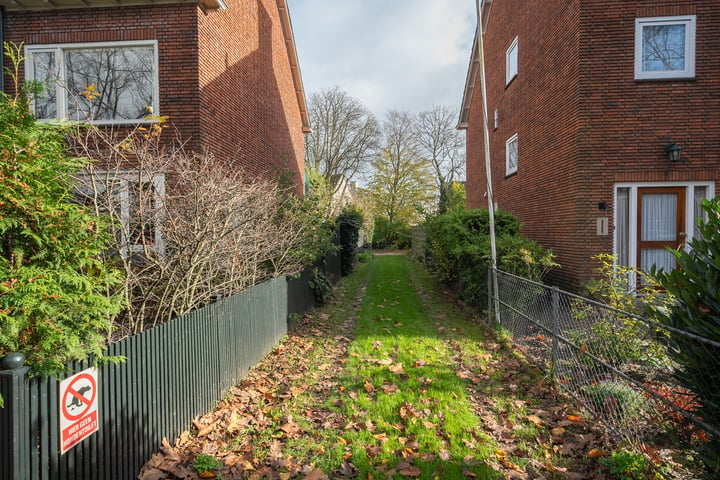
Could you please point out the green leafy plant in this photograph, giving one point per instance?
(614, 401)
(57, 299)
(613, 336)
(364, 257)
(459, 251)
(695, 285)
(626, 465)
(321, 286)
(387, 234)
(206, 463)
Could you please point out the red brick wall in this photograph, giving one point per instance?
(250, 113)
(174, 27)
(584, 123)
(225, 79)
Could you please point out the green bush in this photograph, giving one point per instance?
(615, 401)
(56, 296)
(349, 223)
(696, 287)
(626, 465)
(459, 250)
(387, 234)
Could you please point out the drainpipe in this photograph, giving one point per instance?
(488, 171)
(2, 42)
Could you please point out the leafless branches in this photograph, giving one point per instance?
(189, 228)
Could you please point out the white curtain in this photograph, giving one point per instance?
(659, 217)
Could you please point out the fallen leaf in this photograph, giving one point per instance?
(397, 369)
(411, 471)
(596, 453)
(316, 474)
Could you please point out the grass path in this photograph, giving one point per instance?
(388, 381)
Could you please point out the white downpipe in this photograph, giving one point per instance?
(488, 171)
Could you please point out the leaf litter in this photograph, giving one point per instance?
(256, 429)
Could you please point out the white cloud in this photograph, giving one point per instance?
(389, 54)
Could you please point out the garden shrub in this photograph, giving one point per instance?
(459, 250)
(348, 224)
(56, 297)
(387, 234)
(695, 285)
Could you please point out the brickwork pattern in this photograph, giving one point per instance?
(584, 123)
(225, 78)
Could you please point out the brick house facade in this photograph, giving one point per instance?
(226, 72)
(581, 106)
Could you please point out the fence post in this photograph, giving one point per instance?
(555, 293)
(14, 433)
(489, 296)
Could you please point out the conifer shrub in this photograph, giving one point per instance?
(348, 224)
(56, 297)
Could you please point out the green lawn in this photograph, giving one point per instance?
(390, 381)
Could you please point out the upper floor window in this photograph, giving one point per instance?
(511, 62)
(665, 47)
(511, 155)
(99, 82)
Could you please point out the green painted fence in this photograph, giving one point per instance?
(173, 372)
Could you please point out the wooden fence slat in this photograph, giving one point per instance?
(173, 373)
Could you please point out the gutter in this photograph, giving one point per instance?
(286, 24)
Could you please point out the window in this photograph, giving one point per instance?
(665, 47)
(511, 155)
(99, 82)
(649, 218)
(511, 62)
(133, 201)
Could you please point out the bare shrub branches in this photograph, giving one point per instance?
(189, 228)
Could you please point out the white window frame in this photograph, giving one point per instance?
(122, 196)
(509, 167)
(689, 71)
(633, 215)
(511, 62)
(63, 108)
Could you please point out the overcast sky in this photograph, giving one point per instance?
(389, 54)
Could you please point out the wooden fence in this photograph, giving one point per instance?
(173, 372)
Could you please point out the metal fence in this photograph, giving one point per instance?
(173, 372)
(613, 362)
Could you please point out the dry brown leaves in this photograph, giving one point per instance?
(307, 363)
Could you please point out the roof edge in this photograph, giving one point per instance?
(287, 29)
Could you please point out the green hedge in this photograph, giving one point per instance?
(349, 223)
(459, 251)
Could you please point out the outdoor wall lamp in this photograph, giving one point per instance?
(673, 152)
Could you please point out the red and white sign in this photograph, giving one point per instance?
(78, 408)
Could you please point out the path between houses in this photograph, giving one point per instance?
(388, 381)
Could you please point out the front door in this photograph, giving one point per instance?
(661, 225)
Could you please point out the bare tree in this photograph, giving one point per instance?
(344, 139)
(441, 145)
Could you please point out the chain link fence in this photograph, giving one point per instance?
(616, 364)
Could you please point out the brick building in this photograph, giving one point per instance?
(586, 100)
(225, 72)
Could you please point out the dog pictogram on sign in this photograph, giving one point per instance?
(78, 408)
